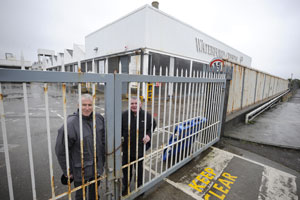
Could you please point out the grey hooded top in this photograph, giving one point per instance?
(88, 146)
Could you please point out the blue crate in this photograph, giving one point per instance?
(181, 131)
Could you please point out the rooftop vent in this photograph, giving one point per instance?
(155, 4)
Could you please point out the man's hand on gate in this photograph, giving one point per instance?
(146, 139)
(64, 179)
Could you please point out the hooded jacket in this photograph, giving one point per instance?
(88, 146)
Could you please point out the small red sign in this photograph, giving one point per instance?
(217, 62)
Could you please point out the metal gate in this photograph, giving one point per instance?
(187, 111)
(33, 105)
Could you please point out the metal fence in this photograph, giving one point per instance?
(187, 111)
(250, 86)
(49, 187)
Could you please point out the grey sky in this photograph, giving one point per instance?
(266, 30)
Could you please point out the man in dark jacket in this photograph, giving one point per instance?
(73, 130)
(133, 134)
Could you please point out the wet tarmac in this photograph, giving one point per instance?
(260, 171)
(218, 174)
(279, 126)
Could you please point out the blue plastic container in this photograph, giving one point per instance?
(181, 131)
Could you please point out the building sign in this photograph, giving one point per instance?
(205, 48)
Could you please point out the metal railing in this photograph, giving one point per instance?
(63, 81)
(251, 115)
(187, 111)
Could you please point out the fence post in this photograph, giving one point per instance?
(243, 87)
(255, 87)
(228, 76)
(117, 132)
(110, 128)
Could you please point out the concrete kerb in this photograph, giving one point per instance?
(264, 143)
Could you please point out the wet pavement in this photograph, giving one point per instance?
(279, 126)
(219, 174)
(256, 171)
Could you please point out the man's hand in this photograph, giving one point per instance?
(146, 139)
(64, 179)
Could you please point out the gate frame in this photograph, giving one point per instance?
(126, 78)
(23, 76)
(113, 104)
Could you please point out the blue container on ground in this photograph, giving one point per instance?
(181, 131)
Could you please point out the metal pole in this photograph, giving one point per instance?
(164, 121)
(81, 138)
(179, 117)
(95, 137)
(158, 122)
(174, 120)
(152, 113)
(129, 140)
(49, 141)
(66, 138)
(28, 134)
(137, 136)
(145, 132)
(169, 117)
(5, 143)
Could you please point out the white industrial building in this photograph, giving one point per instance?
(145, 38)
(148, 37)
(59, 62)
(10, 61)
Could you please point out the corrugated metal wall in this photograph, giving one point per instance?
(249, 86)
(235, 91)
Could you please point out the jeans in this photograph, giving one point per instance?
(125, 177)
(91, 190)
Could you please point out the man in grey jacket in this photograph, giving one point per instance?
(88, 146)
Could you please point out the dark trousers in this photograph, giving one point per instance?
(91, 190)
(125, 176)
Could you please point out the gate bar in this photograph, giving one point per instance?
(222, 104)
(179, 114)
(81, 138)
(174, 119)
(66, 138)
(29, 141)
(158, 123)
(195, 111)
(145, 127)
(152, 115)
(169, 117)
(164, 121)
(137, 135)
(49, 141)
(6, 152)
(94, 136)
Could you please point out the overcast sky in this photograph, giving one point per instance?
(266, 30)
